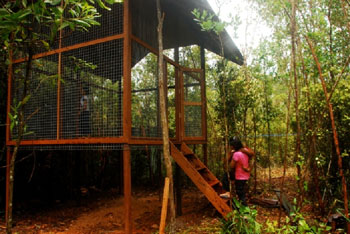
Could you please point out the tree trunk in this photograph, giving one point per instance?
(285, 152)
(20, 132)
(164, 121)
(296, 96)
(334, 130)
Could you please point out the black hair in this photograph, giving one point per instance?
(236, 143)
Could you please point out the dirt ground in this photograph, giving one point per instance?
(103, 212)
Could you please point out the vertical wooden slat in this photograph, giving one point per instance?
(204, 101)
(8, 161)
(181, 108)
(204, 95)
(127, 188)
(58, 124)
(164, 206)
(127, 72)
(178, 191)
(9, 87)
(177, 94)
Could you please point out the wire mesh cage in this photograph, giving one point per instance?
(145, 96)
(40, 112)
(76, 91)
(193, 108)
(91, 103)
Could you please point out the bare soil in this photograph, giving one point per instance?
(103, 212)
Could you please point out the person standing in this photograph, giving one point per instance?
(84, 113)
(240, 163)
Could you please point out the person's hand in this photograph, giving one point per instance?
(247, 169)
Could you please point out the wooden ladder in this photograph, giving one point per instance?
(201, 176)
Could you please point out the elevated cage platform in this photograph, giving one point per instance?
(98, 90)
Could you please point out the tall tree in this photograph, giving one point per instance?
(163, 116)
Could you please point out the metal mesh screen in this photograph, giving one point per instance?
(193, 123)
(193, 110)
(41, 109)
(91, 104)
(192, 87)
(73, 147)
(111, 23)
(145, 99)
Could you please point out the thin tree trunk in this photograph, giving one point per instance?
(335, 134)
(164, 121)
(312, 154)
(285, 153)
(296, 96)
(9, 219)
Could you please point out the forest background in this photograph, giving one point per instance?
(275, 102)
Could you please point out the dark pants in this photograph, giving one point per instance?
(85, 128)
(240, 190)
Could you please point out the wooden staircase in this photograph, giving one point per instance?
(201, 176)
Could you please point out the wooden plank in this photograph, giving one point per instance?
(9, 87)
(127, 73)
(101, 140)
(127, 189)
(8, 161)
(204, 99)
(73, 47)
(200, 182)
(153, 50)
(164, 206)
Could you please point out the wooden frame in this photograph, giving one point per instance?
(126, 137)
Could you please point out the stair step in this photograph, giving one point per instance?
(213, 182)
(189, 155)
(200, 168)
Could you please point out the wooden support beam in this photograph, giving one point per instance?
(164, 206)
(178, 190)
(8, 161)
(205, 154)
(204, 95)
(127, 189)
(127, 72)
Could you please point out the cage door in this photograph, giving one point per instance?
(193, 104)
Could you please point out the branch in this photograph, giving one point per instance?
(338, 79)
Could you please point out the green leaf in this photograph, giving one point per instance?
(81, 22)
(102, 5)
(25, 100)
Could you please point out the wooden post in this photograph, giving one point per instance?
(177, 94)
(205, 154)
(8, 161)
(127, 189)
(178, 192)
(204, 127)
(164, 206)
(127, 73)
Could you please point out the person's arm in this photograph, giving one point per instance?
(232, 164)
(248, 152)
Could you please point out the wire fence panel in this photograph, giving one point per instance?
(111, 23)
(40, 111)
(145, 96)
(193, 111)
(91, 104)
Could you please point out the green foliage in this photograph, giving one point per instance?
(242, 219)
(296, 223)
(208, 21)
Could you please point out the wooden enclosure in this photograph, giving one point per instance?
(86, 91)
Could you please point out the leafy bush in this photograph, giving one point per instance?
(241, 220)
(296, 224)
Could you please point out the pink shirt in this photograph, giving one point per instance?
(242, 160)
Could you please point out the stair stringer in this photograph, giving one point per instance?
(220, 204)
